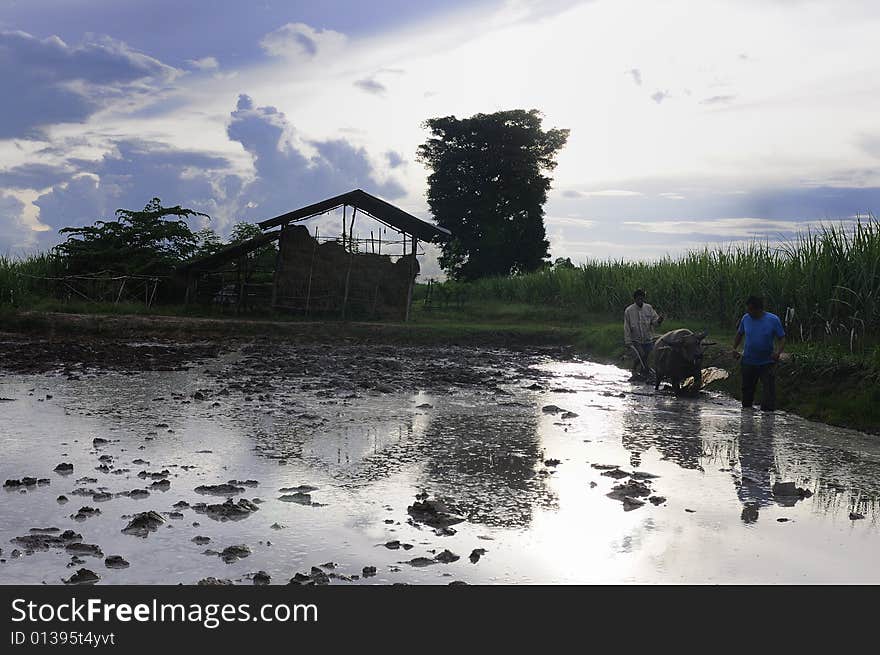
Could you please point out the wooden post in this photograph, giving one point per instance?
(276, 274)
(351, 229)
(350, 262)
(153, 296)
(412, 279)
(311, 268)
(343, 227)
(347, 281)
(122, 286)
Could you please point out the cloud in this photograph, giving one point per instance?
(13, 231)
(33, 176)
(730, 227)
(718, 100)
(288, 171)
(371, 85)
(603, 193)
(204, 64)
(301, 42)
(287, 175)
(636, 75)
(53, 82)
(659, 96)
(672, 196)
(133, 172)
(395, 159)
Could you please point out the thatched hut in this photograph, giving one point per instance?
(344, 275)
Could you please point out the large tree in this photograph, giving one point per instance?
(488, 187)
(136, 243)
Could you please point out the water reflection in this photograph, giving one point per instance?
(673, 426)
(490, 464)
(753, 487)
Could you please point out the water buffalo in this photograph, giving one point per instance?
(678, 355)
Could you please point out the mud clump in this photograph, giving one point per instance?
(225, 489)
(617, 474)
(447, 557)
(368, 571)
(231, 554)
(90, 550)
(261, 578)
(143, 524)
(630, 503)
(200, 540)
(228, 511)
(116, 562)
(154, 475)
(300, 489)
(316, 577)
(476, 554)
(45, 541)
(434, 512)
(299, 498)
(64, 467)
(395, 545)
(83, 577)
(85, 512)
(26, 481)
(214, 582)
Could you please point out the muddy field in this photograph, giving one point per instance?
(258, 462)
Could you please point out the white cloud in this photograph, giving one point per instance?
(301, 42)
(603, 193)
(205, 63)
(729, 227)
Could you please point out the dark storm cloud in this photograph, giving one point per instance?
(33, 176)
(284, 177)
(53, 82)
(128, 177)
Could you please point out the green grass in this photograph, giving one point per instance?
(828, 279)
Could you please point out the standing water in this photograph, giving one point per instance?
(535, 468)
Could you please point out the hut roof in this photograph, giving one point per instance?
(382, 211)
(236, 250)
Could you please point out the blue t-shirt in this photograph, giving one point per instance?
(760, 333)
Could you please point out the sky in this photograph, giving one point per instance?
(691, 123)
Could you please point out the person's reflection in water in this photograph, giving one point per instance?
(755, 463)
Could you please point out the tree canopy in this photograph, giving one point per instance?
(488, 187)
(136, 243)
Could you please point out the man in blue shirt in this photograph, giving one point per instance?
(759, 358)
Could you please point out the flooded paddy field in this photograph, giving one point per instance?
(345, 463)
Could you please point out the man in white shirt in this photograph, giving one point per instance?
(639, 320)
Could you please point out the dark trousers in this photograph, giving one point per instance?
(766, 373)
